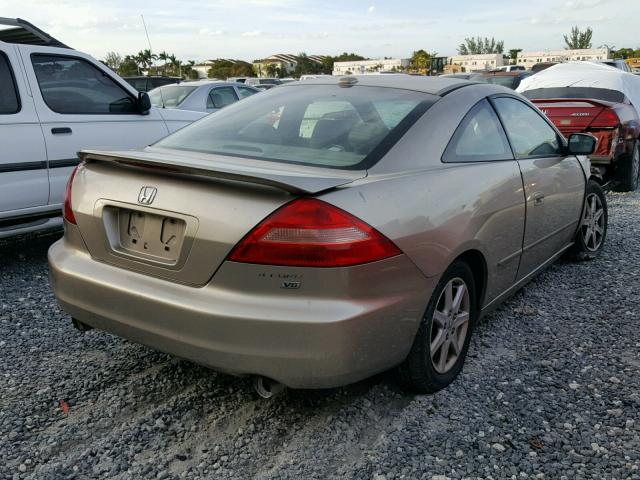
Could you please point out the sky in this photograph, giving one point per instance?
(253, 29)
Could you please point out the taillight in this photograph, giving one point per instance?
(67, 211)
(606, 119)
(312, 233)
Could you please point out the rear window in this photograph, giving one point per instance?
(321, 125)
(169, 96)
(576, 92)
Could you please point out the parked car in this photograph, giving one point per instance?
(506, 79)
(257, 82)
(55, 101)
(144, 83)
(237, 79)
(462, 76)
(200, 96)
(327, 230)
(617, 63)
(539, 67)
(595, 99)
(510, 68)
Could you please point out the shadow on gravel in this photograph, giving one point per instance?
(32, 247)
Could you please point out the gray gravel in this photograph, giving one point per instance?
(551, 390)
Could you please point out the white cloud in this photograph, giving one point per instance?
(371, 9)
(208, 31)
(252, 33)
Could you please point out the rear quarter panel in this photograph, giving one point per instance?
(434, 211)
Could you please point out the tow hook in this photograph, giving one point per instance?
(83, 327)
(267, 388)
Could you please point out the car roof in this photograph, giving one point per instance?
(200, 83)
(432, 85)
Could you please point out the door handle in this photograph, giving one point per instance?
(538, 198)
(60, 130)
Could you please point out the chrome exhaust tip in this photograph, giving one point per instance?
(267, 388)
(82, 327)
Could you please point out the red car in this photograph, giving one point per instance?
(606, 114)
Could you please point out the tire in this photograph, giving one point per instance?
(594, 221)
(629, 172)
(425, 371)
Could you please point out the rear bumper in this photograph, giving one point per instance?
(303, 338)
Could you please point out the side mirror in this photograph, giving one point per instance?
(582, 144)
(143, 103)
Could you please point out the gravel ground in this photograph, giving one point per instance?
(551, 390)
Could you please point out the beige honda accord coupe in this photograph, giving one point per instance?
(324, 231)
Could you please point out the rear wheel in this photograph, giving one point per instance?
(442, 341)
(592, 233)
(629, 171)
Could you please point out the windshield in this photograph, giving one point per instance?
(169, 96)
(322, 125)
(604, 94)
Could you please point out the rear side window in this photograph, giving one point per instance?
(71, 85)
(245, 92)
(9, 100)
(322, 125)
(169, 96)
(479, 138)
(530, 135)
(221, 97)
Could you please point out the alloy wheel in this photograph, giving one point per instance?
(450, 325)
(593, 223)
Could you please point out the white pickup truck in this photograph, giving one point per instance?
(55, 101)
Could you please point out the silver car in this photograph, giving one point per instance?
(327, 230)
(200, 96)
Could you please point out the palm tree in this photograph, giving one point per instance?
(164, 56)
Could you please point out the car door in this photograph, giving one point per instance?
(24, 182)
(81, 105)
(220, 97)
(479, 145)
(554, 183)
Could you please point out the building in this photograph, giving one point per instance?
(282, 62)
(363, 67)
(473, 63)
(529, 59)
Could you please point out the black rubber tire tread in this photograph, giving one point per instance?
(416, 373)
(626, 182)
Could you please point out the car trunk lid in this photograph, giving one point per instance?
(178, 216)
(571, 116)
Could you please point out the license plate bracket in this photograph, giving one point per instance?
(152, 237)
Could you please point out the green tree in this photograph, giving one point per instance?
(513, 53)
(129, 66)
(479, 45)
(272, 70)
(188, 71)
(421, 61)
(113, 60)
(578, 39)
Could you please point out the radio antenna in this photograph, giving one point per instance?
(151, 57)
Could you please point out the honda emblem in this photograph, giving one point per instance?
(147, 195)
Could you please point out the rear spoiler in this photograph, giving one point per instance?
(592, 101)
(295, 179)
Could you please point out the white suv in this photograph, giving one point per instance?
(55, 101)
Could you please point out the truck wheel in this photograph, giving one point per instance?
(442, 341)
(629, 170)
(592, 233)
